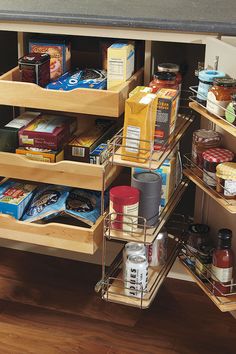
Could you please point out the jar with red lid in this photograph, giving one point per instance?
(163, 80)
(124, 205)
(212, 158)
(172, 68)
(219, 96)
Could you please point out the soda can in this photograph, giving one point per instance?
(136, 275)
(157, 252)
(133, 249)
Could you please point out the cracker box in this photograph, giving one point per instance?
(139, 124)
(167, 103)
(120, 63)
(138, 89)
(47, 132)
(99, 154)
(9, 133)
(59, 51)
(14, 197)
(42, 155)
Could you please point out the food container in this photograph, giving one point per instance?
(230, 114)
(203, 140)
(206, 78)
(203, 262)
(219, 96)
(124, 204)
(149, 184)
(172, 68)
(212, 158)
(164, 80)
(197, 236)
(35, 68)
(226, 179)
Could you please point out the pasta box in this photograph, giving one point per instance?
(42, 155)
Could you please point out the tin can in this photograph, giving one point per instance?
(136, 276)
(157, 252)
(35, 68)
(133, 249)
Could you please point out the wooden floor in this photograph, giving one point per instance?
(48, 305)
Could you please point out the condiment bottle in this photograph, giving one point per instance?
(206, 78)
(163, 80)
(226, 179)
(219, 96)
(230, 113)
(172, 68)
(222, 263)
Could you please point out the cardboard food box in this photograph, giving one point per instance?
(47, 132)
(9, 133)
(80, 148)
(138, 89)
(167, 105)
(120, 63)
(42, 155)
(139, 124)
(14, 197)
(99, 154)
(59, 51)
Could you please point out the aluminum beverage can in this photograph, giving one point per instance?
(136, 275)
(157, 252)
(133, 249)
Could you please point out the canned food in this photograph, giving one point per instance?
(136, 276)
(157, 252)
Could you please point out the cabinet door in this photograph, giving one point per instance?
(225, 49)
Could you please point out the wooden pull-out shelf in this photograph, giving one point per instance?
(68, 173)
(109, 103)
(59, 236)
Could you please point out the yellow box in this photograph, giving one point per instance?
(139, 126)
(137, 89)
(41, 155)
(120, 63)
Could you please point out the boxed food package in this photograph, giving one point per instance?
(80, 148)
(138, 89)
(42, 155)
(14, 197)
(167, 104)
(9, 133)
(59, 50)
(47, 132)
(120, 63)
(99, 154)
(139, 124)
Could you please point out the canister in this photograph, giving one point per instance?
(124, 203)
(149, 184)
(206, 78)
(35, 68)
(226, 179)
(212, 158)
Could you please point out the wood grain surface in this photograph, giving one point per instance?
(48, 305)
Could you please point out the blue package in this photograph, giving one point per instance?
(88, 78)
(85, 205)
(48, 200)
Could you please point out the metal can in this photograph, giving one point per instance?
(133, 249)
(136, 276)
(157, 252)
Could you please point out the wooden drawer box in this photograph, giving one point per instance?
(86, 101)
(59, 236)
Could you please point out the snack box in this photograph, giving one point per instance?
(59, 50)
(9, 133)
(47, 132)
(99, 154)
(80, 148)
(138, 89)
(14, 197)
(167, 105)
(120, 63)
(42, 155)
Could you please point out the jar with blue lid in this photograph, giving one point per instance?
(206, 78)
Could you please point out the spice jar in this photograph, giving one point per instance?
(203, 262)
(164, 80)
(206, 78)
(197, 236)
(172, 68)
(203, 140)
(226, 179)
(230, 113)
(219, 96)
(212, 158)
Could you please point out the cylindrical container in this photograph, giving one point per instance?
(230, 114)
(212, 158)
(124, 203)
(197, 236)
(219, 96)
(149, 184)
(226, 179)
(203, 262)
(206, 78)
(163, 80)
(35, 68)
(136, 276)
(203, 140)
(133, 249)
(157, 252)
(172, 68)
